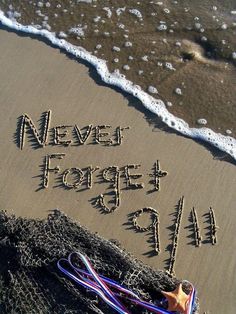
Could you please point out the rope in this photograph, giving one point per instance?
(101, 286)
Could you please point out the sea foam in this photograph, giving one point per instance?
(157, 106)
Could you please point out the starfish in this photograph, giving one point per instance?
(177, 300)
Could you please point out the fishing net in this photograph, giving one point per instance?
(31, 283)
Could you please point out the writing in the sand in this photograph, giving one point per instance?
(74, 177)
(67, 135)
(79, 179)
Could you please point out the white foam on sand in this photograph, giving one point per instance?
(157, 106)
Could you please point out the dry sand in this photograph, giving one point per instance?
(35, 78)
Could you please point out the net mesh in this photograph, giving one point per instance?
(31, 283)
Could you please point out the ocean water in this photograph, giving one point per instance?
(177, 57)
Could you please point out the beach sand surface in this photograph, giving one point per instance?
(35, 78)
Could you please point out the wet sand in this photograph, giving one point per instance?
(183, 50)
(36, 78)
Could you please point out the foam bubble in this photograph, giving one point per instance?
(85, 1)
(119, 11)
(79, 30)
(145, 58)
(136, 13)
(62, 34)
(169, 66)
(162, 27)
(152, 90)
(126, 67)
(115, 48)
(202, 121)
(108, 11)
(128, 44)
(224, 26)
(178, 91)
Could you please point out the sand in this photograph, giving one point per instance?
(35, 78)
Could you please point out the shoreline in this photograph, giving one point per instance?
(224, 143)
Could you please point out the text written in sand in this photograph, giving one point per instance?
(118, 178)
(66, 134)
(74, 177)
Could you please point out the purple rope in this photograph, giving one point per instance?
(100, 285)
